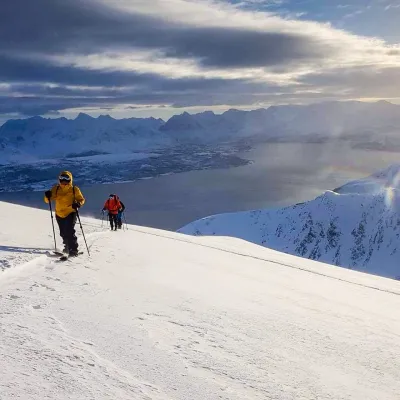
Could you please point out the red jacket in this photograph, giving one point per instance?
(112, 205)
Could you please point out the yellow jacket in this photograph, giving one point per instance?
(64, 196)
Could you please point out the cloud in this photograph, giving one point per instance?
(14, 69)
(392, 6)
(57, 54)
(66, 27)
(357, 81)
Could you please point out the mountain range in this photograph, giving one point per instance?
(356, 226)
(367, 125)
(40, 138)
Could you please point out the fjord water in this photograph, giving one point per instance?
(281, 174)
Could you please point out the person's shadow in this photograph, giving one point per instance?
(30, 250)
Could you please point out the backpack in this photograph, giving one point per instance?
(117, 204)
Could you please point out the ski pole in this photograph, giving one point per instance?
(83, 234)
(102, 218)
(126, 225)
(52, 223)
(122, 222)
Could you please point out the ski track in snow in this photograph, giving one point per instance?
(159, 315)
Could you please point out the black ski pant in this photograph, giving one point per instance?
(67, 231)
(113, 220)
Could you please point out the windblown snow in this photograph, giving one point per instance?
(355, 226)
(159, 315)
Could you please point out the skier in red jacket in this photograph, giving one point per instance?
(113, 206)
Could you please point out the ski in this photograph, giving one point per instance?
(66, 257)
(54, 253)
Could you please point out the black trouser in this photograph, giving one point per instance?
(67, 231)
(113, 220)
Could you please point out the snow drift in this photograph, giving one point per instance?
(160, 315)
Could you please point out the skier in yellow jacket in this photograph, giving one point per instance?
(68, 199)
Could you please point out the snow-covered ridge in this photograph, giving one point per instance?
(356, 226)
(159, 315)
(368, 125)
(40, 138)
(302, 118)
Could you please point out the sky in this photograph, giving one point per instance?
(162, 57)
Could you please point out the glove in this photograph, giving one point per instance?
(47, 193)
(75, 205)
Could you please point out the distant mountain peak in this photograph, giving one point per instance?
(36, 118)
(232, 111)
(83, 116)
(209, 112)
(105, 117)
(384, 102)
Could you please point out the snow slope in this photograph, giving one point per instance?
(356, 226)
(159, 315)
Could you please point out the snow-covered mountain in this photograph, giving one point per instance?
(372, 125)
(40, 138)
(208, 127)
(338, 118)
(356, 226)
(367, 125)
(157, 315)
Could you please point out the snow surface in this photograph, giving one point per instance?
(160, 315)
(356, 226)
